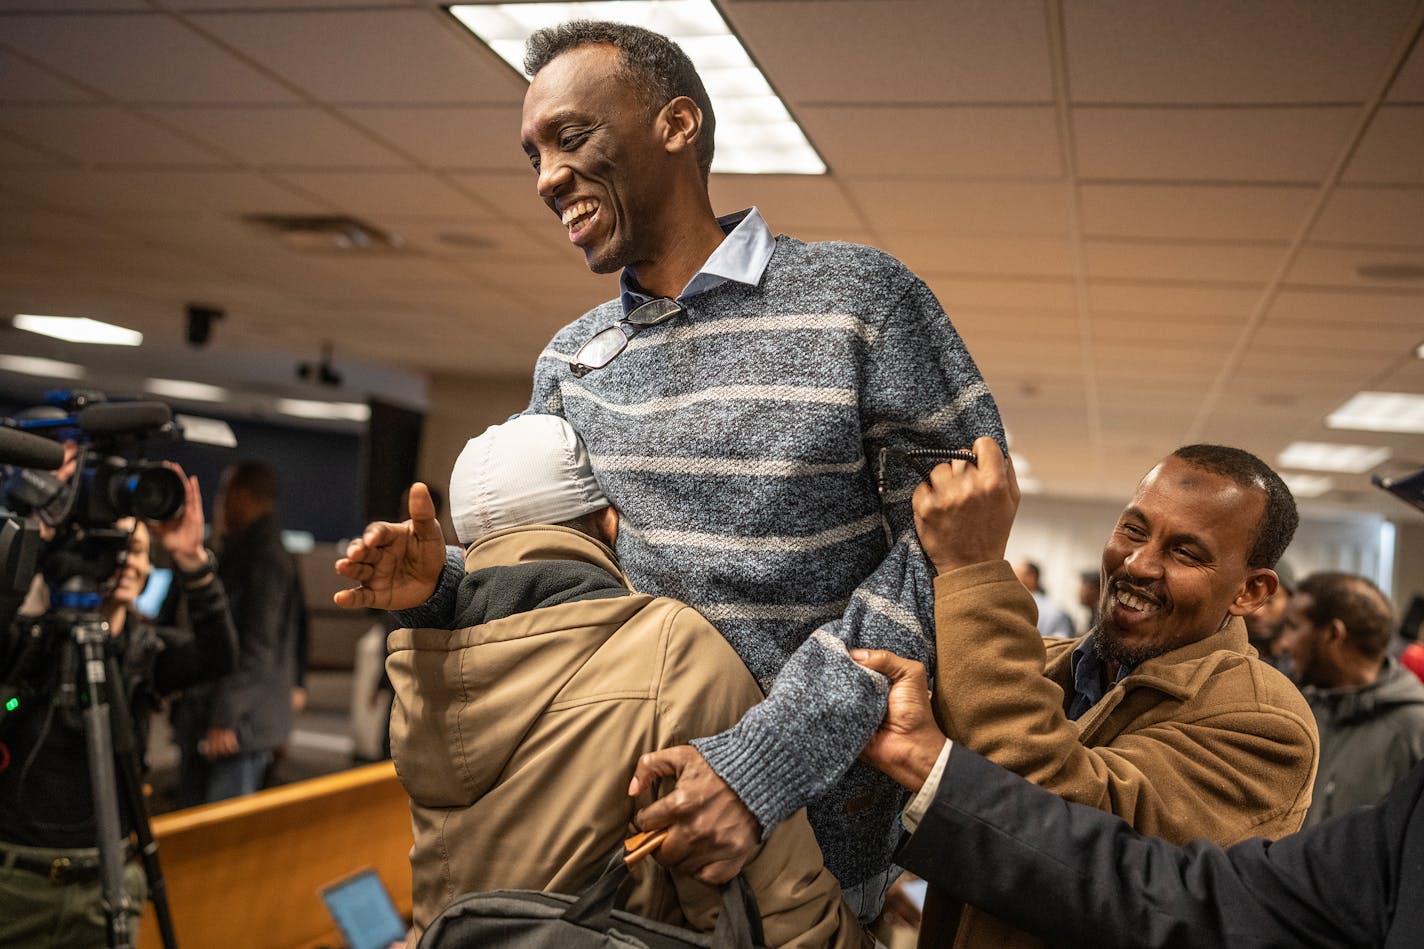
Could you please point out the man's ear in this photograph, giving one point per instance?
(681, 124)
(1260, 585)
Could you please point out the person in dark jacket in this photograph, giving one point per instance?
(50, 890)
(229, 734)
(1081, 877)
(1369, 708)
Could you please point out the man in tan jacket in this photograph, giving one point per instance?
(1162, 715)
(516, 733)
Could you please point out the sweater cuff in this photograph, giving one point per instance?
(761, 770)
(438, 612)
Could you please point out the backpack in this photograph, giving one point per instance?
(530, 919)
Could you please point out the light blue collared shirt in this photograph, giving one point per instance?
(741, 258)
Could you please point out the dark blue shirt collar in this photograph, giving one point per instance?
(1089, 677)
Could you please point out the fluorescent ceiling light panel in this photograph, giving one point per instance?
(1323, 456)
(330, 411)
(182, 389)
(207, 431)
(755, 132)
(78, 329)
(1307, 485)
(35, 366)
(1381, 412)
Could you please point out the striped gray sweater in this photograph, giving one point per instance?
(739, 442)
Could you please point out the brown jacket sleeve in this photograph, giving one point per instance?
(1213, 748)
(706, 689)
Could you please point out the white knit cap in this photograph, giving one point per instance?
(533, 469)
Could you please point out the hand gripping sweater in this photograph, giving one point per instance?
(739, 442)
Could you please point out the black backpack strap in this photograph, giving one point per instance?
(739, 925)
(594, 907)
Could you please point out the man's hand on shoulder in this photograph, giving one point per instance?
(711, 834)
(397, 565)
(964, 512)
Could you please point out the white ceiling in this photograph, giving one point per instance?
(1145, 216)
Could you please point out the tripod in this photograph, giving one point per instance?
(111, 751)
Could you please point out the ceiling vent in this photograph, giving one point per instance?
(327, 233)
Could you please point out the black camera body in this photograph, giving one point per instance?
(81, 511)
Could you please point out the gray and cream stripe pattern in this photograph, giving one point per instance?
(738, 442)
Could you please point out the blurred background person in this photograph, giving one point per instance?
(228, 734)
(1264, 626)
(1369, 708)
(1052, 621)
(1090, 594)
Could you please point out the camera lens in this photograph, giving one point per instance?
(155, 493)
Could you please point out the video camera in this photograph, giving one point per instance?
(81, 510)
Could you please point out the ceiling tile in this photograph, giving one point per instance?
(1194, 212)
(1018, 295)
(967, 51)
(1173, 300)
(514, 196)
(787, 202)
(370, 193)
(109, 191)
(1409, 84)
(283, 136)
(1210, 144)
(950, 142)
(384, 56)
(19, 153)
(1207, 51)
(1331, 266)
(22, 82)
(466, 239)
(1001, 256)
(1363, 311)
(1171, 260)
(140, 58)
(1392, 150)
(103, 135)
(465, 137)
(1372, 216)
(1029, 209)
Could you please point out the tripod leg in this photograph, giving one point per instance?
(126, 756)
(99, 747)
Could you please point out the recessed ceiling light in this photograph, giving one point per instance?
(77, 329)
(755, 132)
(1030, 486)
(35, 366)
(337, 411)
(1380, 412)
(182, 389)
(1307, 485)
(1324, 456)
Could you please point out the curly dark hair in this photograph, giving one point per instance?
(653, 64)
(1279, 519)
(1355, 602)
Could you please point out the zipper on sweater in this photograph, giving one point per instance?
(923, 460)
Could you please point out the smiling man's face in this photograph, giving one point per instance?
(1175, 566)
(594, 144)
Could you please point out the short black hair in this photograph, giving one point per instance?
(1279, 519)
(1357, 603)
(655, 65)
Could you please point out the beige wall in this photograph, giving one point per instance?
(1408, 563)
(459, 409)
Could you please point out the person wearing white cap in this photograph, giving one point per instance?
(516, 733)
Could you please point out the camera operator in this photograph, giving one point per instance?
(50, 888)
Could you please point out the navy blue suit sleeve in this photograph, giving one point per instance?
(1080, 876)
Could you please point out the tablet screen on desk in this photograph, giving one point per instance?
(363, 911)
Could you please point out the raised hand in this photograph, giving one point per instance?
(397, 566)
(963, 512)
